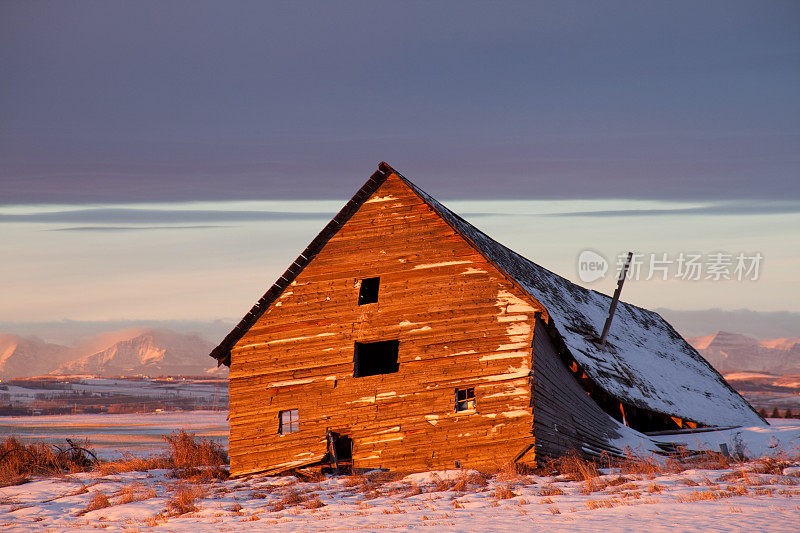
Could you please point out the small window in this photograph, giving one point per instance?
(368, 293)
(373, 358)
(289, 422)
(465, 399)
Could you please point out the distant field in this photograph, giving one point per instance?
(57, 395)
(111, 435)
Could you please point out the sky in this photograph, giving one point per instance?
(168, 160)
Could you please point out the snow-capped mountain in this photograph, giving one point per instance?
(21, 357)
(130, 352)
(731, 352)
(154, 352)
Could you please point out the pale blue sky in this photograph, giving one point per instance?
(213, 265)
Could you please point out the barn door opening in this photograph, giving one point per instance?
(340, 452)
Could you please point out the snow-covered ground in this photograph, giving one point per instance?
(112, 435)
(744, 497)
(695, 500)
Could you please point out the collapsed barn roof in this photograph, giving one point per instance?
(645, 362)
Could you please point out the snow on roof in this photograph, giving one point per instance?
(645, 362)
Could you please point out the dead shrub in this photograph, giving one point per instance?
(183, 499)
(98, 501)
(18, 460)
(188, 452)
(554, 510)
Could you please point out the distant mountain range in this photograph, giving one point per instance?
(132, 352)
(148, 351)
(731, 352)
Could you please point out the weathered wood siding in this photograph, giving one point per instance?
(566, 418)
(460, 324)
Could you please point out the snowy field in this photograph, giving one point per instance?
(695, 500)
(747, 496)
(112, 435)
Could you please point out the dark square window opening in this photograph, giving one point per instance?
(368, 292)
(289, 421)
(374, 358)
(465, 399)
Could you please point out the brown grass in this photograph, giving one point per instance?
(607, 503)
(98, 501)
(503, 492)
(135, 492)
(129, 463)
(574, 467)
(293, 498)
(183, 499)
(550, 490)
(314, 503)
(466, 480)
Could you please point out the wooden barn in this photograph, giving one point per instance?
(404, 338)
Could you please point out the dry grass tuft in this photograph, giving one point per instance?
(465, 481)
(575, 468)
(550, 490)
(98, 501)
(183, 498)
(607, 503)
(503, 492)
(314, 503)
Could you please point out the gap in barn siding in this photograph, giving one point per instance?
(374, 358)
(368, 292)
